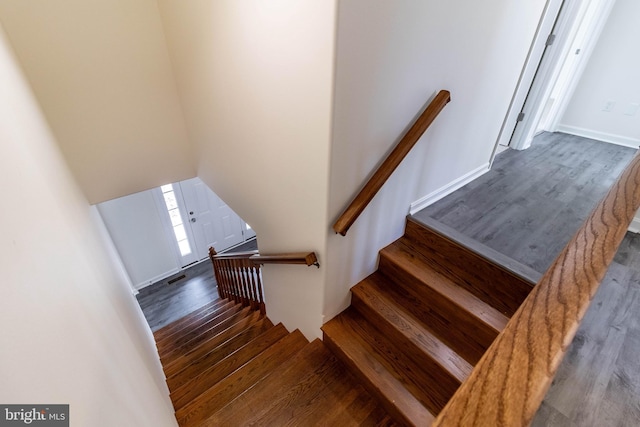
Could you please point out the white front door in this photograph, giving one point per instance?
(213, 223)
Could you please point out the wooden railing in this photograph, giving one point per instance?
(239, 274)
(393, 160)
(239, 278)
(510, 381)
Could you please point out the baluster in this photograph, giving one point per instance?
(218, 275)
(250, 285)
(260, 298)
(238, 282)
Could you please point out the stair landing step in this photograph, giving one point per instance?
(495, 284)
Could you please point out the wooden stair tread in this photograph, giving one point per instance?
(420, 378)
(221, 352)
(463, 321)
(495, 285)
(208, 377)
(183, 360)
(205, 335)
(418, 268)
(205, 405)
(185, 321)
(343, 339)
(313, 388)
(410, 335)
(184, 336)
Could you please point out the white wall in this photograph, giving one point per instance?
(140, 237)
(392, 57)
(256, 78)
(611, 74)
(72, 332)
(101, 72)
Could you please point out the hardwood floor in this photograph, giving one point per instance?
(163, 302)
(532, 202)
(527, 207)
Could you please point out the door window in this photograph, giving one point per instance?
(176, 219)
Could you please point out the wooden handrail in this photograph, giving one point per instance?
(246, 254)
(306, 258)
(510, 381)
(384, 171)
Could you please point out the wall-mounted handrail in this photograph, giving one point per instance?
(306, 258)
(510, 381)
(384, 171)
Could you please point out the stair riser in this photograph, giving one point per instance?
(447, 382)
(215, 355)
(204, 336)
(389, 406)
(191, 321)
(465, 333)
(492, 284)
(186, 335)
(182, 361)
(215, 373)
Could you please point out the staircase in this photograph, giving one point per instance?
(414, 331)
(229, 366)
(418, 325)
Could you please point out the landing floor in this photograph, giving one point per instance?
(168, 300)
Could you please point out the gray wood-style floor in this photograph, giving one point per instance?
(163, 302)
(528, 207)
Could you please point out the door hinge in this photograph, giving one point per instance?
(520, 117)
(550, 39)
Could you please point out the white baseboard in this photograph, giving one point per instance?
(153, 280)
(600, 136)
(444, 191)
(634, 227)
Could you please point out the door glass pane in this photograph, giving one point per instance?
(170, 200)
(185, 248)
(176, 218)
(180, 232)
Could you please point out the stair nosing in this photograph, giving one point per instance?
(521, 271)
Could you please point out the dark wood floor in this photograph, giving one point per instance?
(528, 207)
(163, 302)
(532, 202)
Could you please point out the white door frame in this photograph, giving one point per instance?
(537, 49)
(531, 99)
(563, 84)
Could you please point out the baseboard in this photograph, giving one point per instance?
(634, 227)
(444, 191)
(155, 279)
(600, 136)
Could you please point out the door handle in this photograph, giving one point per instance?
(193, 220)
